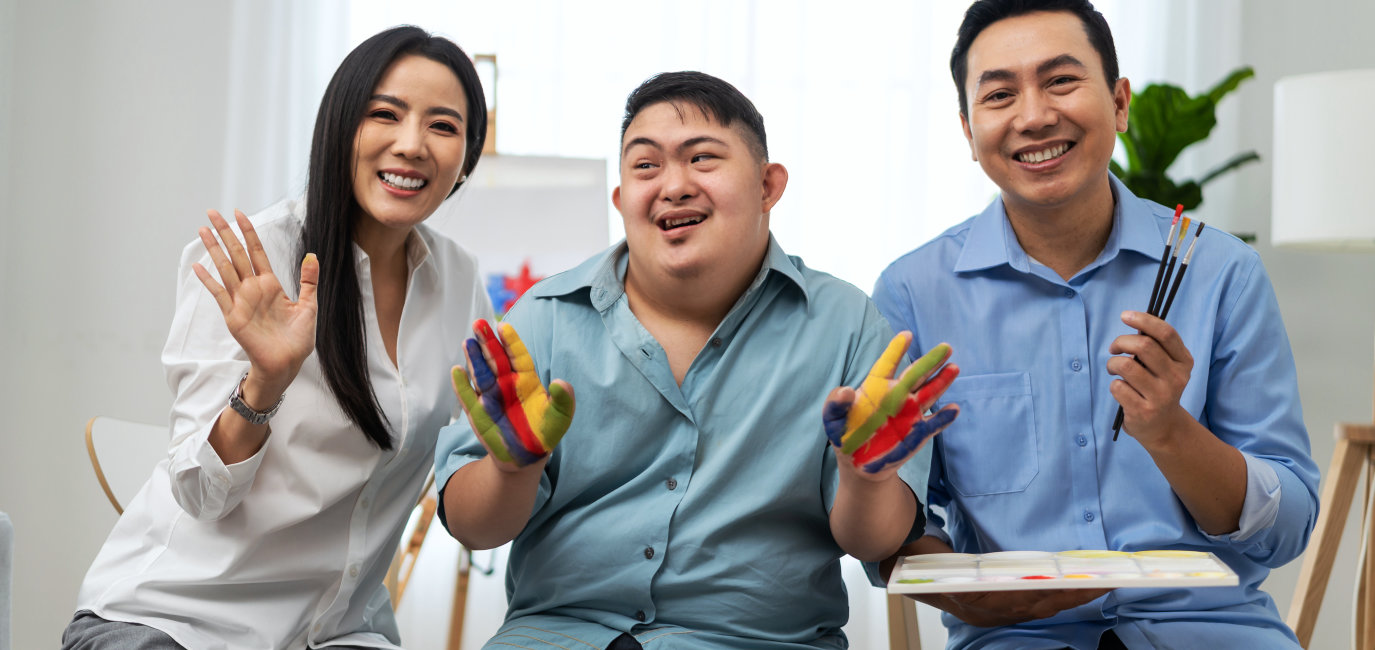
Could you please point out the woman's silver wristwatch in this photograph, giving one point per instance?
(242, 408)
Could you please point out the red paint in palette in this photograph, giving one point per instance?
(1038, 577)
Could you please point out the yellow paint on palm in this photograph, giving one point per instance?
(547, 424)
(877, 400)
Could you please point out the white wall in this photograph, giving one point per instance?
(113, 138)
(1326, 298)
(111, 128)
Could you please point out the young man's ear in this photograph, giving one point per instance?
(616, 198)
(775, 181)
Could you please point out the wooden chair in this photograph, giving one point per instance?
(399, 574)
(1353, 457)
(123, 454)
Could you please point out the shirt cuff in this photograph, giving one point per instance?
(1261, 506)
(220, 487)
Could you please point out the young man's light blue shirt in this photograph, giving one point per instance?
(1030, 464)
(692, 516)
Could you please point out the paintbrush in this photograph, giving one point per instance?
(1162, 280)
(1183, 265)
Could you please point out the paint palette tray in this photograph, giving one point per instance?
(1078, 569)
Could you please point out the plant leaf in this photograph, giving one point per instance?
(1232, 163)
(1216, 93)
(1165, 122)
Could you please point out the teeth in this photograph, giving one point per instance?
(1042, 156)
(669, 224)
(403, 182)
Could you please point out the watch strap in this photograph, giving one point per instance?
(247, 412)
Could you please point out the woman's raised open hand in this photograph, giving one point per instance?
(278, 334)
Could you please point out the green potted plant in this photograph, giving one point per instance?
(1163, 121)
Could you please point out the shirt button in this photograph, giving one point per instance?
(353, 571)
(649, 552)
(1082, 441)
(671, 484)
(317, 628)
(365, 503)
(1069, 293)
(715, 341)
(1088, 516)
(646, 353)
(640, 616)
(1076, 365)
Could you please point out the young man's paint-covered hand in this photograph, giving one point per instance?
(517, 420)
(881, 425)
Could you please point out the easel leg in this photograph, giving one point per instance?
(1365, 589)
(460, 600)
(1337, 494)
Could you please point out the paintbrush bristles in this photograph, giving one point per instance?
(1165, 311)
(1189, 254)
(1160, 270)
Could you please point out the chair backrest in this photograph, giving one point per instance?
(123, 455)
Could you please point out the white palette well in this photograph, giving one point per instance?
(1078, 569)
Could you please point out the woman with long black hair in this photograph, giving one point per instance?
(306, 410)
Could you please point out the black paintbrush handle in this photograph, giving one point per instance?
(1154, 308)
(1159, 274)
(1165, 311)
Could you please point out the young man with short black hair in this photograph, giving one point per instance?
(695, 501)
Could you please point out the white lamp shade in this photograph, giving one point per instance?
(1324, 161)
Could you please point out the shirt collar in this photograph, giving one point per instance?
(603, 275)
(991, 241)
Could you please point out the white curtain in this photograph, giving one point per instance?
(856, 96)
(282, 55)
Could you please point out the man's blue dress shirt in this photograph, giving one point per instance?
(1030, 464)
(692, 516)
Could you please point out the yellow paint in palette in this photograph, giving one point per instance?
(1168, 553)
(1091, 554)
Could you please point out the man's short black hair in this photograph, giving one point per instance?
(983, 13)
(717, 99)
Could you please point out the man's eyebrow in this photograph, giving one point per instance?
(1046, 66)
(701, 139)
(640, 141)
(989, 76)
(1059, 61)
(687, 144)
(403, 105)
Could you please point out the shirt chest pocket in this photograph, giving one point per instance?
(992, 447)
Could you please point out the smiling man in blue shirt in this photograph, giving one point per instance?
(695, 501)
(1041, 294)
